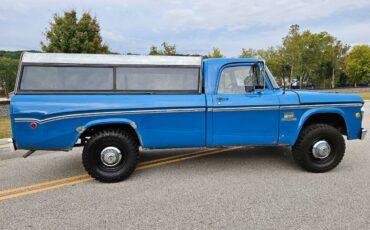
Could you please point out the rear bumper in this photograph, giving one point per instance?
(363, 133)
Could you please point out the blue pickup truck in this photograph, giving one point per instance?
(113, 105)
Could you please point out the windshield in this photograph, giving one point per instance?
(272, 79)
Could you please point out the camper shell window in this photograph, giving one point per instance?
(157, 78)
(109, 79)
(66, 78)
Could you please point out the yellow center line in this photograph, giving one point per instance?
(42, 184)
(154, 163)
(43, 189)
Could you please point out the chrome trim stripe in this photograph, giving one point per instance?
(230, 109)
(249, 108)
(320, 106)
(149, 111)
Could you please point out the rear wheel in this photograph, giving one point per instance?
(110, 156)
(319, 148)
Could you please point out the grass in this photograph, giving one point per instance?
(365, 95)
(5, 128)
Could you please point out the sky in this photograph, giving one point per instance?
(195, 26)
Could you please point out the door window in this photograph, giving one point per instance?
(240, 80)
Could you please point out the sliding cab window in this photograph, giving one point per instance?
(49, 78)
(158, 79)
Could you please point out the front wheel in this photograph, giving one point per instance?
(319, 148)
(110, 156)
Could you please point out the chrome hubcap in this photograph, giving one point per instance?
(321, 149)
(110, 156)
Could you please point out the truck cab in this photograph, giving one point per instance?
(112, 105)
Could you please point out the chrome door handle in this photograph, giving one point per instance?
(220, 99)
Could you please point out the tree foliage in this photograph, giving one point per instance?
(312, 58)
(273, 56)
(166, 50)
(10, 54)
(8, 73)
(357, 64)
(68, 34)
(216, 53)
(249, 53)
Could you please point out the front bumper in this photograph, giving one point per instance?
(363, 133)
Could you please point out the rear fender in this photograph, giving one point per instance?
(108, 121)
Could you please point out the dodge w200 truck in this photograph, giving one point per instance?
(114, 104)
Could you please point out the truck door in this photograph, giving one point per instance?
(245, 110)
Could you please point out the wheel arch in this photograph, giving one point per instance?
(331, 116)
(101, 124)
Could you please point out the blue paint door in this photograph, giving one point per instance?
(245, 111)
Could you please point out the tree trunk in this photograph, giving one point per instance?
(332, 79)
(301, 77)
(290, 77)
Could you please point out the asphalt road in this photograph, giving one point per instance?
(245, 188)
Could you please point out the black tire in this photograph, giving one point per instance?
(93, 163)
(303, 153)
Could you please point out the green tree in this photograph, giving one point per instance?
(11, 54)
(273, 57)
(357, 64)
(249, 53)
(154, 51)
(291, 49)
(216, 53)
(8, 73)
(310, 57)
(166, 50)
(313, 57)
(68, 34)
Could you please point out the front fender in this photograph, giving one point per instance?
(285, 138)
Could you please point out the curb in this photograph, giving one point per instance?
(4, 143)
